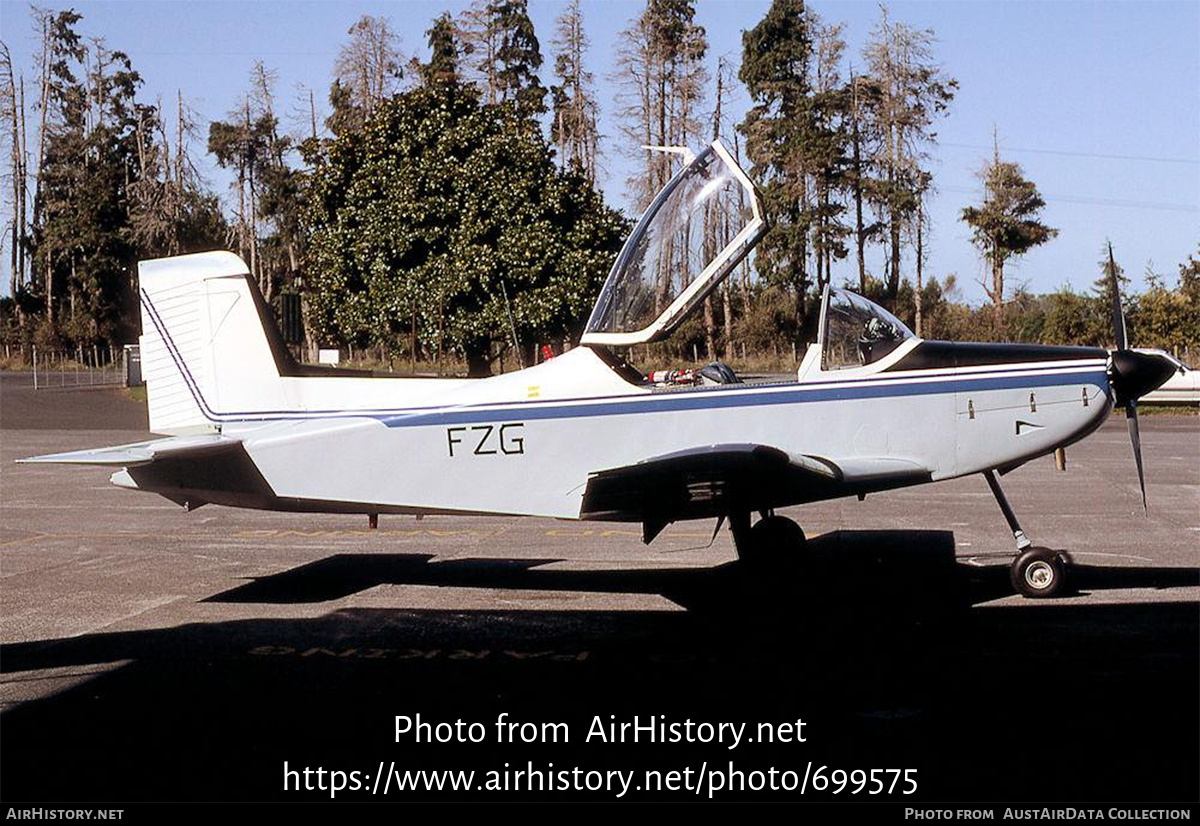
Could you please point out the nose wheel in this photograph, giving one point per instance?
(1036, 573)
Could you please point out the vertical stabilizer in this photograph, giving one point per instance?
(206, 352)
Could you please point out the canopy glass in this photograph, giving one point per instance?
(695, 231)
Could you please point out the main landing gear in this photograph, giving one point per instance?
(1036, 573)
(773, 539)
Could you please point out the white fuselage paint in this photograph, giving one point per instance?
(532, 454)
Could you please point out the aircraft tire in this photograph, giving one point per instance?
(772, 540)
(1039, 573)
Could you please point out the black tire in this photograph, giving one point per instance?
(1039, 573)
(774, 539)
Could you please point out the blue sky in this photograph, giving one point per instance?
(1098, 101)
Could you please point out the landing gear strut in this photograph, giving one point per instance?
(1036, 573)
(772, 539)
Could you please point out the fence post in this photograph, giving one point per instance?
(35, 381)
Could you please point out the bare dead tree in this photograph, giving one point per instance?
(12, 115)
(480, 37)
(574, 126)
(370, 64)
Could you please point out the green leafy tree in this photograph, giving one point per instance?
(1006, 224)
(445, 218)
(1164, 317)
(1070, 319)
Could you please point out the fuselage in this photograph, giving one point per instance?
(527, 442)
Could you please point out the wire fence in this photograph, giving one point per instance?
(97, 366)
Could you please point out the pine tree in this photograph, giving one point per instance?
(1005, 225)
(519, 57)
(783, 132)
(12, 127)
(508, 55)
(444, 46)
(81, 235)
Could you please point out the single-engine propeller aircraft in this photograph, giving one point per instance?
(872, 407)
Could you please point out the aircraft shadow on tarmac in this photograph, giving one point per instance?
(913, 570)
(881, 641)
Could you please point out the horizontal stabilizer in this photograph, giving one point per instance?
(138, 453)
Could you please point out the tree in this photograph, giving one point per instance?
(501, 35)
(1071, 319)
(446, 221)
(367, 70)
(782, 129)
(911, 93)
(81, 236)
(241, 143)
(661, 79)
(443, 69)
(1005, 225)
(573, 127)
(12, 124)
(1164, 317)
(171, 211)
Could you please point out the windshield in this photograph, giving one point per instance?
(857, 332)
(694, 232)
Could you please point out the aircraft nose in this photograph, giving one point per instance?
(1133, 373)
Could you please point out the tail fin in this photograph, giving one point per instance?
(210, 349)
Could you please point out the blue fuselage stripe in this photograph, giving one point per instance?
(685, 401)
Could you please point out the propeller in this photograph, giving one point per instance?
(1133, 373)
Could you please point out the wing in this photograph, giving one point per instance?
(717, 480)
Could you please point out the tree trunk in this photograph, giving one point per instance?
(727, 311)
(710, 339)
(478, 362)
(998, 297)
(920, 255)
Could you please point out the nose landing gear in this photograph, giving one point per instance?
(1036, 572)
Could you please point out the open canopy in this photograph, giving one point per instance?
(695, 231)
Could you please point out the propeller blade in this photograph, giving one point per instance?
(1135, 438)
(1118, 315)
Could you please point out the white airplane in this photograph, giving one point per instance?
(584, 435)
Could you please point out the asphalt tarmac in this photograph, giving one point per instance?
(147, 653)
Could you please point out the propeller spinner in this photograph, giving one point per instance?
(1133, 373)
